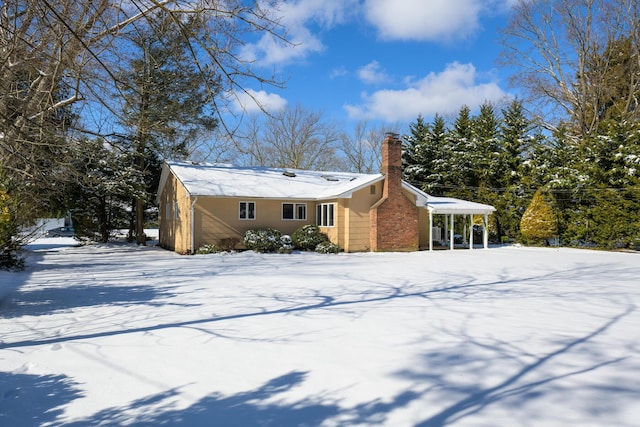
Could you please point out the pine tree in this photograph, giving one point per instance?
(100, 190)
(417, 159)
(437, 138)
(460, 148)
(514, 151)
(538, 222)
(613, 202)
(486, 129)
(168, 101)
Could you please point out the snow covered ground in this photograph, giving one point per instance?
(124, 335)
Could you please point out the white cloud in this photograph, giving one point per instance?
(444, 93)
(338, 72)
(424, 20)
(253, 100)
(372, 73)
(296, 17)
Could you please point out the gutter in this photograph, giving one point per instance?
(193, 225)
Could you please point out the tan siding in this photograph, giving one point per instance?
(174, 232)
(183, 224)
(359, 219)
(352, 225)
(218, 218)
(424, 232)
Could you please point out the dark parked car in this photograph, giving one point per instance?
(61, 232)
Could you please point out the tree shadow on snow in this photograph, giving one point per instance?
(34, 400)
(458, 288)
(47, 300)
(464, 398)
(264, 406)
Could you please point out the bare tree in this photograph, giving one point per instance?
(58, 58)
(362, 148)
(294, 137)
(561, 50)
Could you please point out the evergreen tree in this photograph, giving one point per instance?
(459, 150)
(514, 151)
(539, 222)
(613, 206)
(167, 105)
(437, 138)
(486, 158)
(101, 188)
(417, 156)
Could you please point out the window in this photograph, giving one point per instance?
(176, 210)
(372, 189)
(324, 215)
(294, 211)
(247, 210)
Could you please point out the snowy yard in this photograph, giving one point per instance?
(120, 335)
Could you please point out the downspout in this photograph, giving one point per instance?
(193, 225)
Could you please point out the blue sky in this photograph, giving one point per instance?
(385, 60)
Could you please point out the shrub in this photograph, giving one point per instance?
(208, 249)
(286, 244)
(10, 258)
(308, 237)
(327, 248)
(263, 240)
(539, 222)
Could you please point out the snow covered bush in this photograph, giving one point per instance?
(327, 248)
(308, 237)
(263, 240)
(209, 249)
(286, 244)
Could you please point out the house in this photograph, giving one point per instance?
(204, 203)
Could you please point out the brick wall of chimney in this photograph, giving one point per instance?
(394, 219)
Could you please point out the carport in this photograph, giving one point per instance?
(450, 208)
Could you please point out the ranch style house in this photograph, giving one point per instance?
(205, 203)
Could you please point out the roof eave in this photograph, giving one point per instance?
(349, 193)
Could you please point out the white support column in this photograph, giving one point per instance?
(445, 236)
(471, 231)
(485, 229)
(451, 238)
(464, 230)
(430, 230)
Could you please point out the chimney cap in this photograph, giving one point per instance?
(391, 135)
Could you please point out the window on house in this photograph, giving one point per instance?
(176, 210)
(247, 210)
(294, 211)
(325, 214)
(372, 189)
(167, 211)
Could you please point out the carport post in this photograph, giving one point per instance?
(451, 233)
(485, 234)
(471, 232)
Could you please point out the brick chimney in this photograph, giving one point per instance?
(394, 218)
(392, 164)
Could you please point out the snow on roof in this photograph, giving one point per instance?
(224, 180)
(449, 205)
